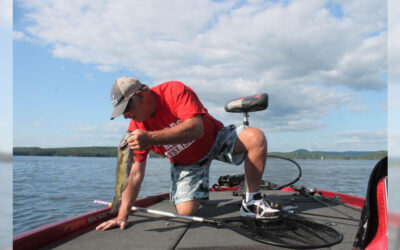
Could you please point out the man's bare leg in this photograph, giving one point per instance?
(253, 143)
(188, 207)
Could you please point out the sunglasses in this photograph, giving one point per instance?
(128, 105)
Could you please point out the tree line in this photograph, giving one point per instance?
(112, 152)
(355, 155)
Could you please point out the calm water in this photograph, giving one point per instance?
(48, 189)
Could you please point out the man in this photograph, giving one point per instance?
(170, 120)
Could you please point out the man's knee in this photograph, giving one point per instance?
(188, 207)
(252, 138)
(258, 138)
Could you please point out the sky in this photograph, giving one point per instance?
(323, 65)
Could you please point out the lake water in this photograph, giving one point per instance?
(49, 189)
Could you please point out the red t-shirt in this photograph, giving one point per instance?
(176, 103)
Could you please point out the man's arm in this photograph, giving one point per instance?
(129, 196)
(189, 130)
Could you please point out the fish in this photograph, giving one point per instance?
(124, 165)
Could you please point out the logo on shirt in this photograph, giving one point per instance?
(172, 150)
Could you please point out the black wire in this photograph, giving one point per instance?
(292, 161)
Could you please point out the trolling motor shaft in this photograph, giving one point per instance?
(246, 119)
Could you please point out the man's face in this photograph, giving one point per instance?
(135, 109)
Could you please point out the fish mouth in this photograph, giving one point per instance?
(123, 144)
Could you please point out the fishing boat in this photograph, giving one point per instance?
(309, 218)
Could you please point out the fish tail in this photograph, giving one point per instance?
(115, 206)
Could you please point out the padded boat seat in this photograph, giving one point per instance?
(248, 104)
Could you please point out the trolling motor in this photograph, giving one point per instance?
(247, 104)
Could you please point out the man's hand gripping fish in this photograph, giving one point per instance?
(124, 165)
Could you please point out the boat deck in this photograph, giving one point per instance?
(145, 231)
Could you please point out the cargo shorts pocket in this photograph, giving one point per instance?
(189, 183)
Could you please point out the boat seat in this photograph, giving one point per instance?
(247, 104)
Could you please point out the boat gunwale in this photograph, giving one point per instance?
(60, 230)
(348, 199)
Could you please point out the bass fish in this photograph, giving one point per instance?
(124, 165)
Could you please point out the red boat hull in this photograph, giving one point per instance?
(380, 241)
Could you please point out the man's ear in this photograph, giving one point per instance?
(139, 95)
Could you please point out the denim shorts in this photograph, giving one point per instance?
(190, 182)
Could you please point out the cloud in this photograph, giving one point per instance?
(362, 133)
(106, 68)
(21, 36)
(301, 125)
(108, 126)
(368, 140)
(287, 104)
(108, 130)
(74, 134)
(362, 68)
(373, 13)
(357, 107)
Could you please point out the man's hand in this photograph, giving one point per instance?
(139, 140)
(113, 223)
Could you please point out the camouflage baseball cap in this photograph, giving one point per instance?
(122, 90)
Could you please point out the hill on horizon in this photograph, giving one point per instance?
(337, 152)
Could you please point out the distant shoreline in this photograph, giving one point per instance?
(112, 152)
(72, 151)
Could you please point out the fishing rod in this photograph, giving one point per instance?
(290, 211)
(166, 214)
(312, 193)
(331, 207)
(341, 203)
(265, 231)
